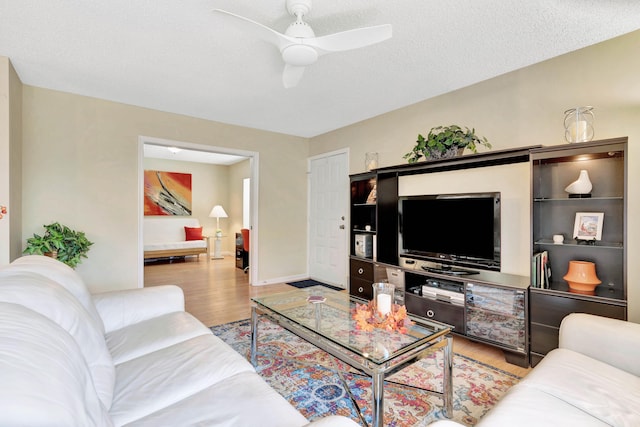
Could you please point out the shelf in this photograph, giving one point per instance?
(361, 258)
(574, 244)
(370, 205)
(467, 161)
(602, 293)
(567, 199)
(358, 230)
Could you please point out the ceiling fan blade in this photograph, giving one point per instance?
(256, 29)
(352, 39)
(291, 75)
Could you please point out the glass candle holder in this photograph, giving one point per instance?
(383, 294)
(370, 161)
(578, 124)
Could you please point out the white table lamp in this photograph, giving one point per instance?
(218, 212)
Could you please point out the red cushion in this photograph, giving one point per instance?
(193, 233)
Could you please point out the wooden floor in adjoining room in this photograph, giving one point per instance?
(217, 292)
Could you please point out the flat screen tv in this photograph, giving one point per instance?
(451, 230)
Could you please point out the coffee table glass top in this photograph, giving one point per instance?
(332, 320)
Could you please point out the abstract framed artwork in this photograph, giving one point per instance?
(167, 193)
(588, 226)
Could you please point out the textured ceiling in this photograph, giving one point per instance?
(178, 56)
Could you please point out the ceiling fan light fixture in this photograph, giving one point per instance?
(299, 55)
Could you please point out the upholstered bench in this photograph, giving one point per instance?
(173, 236)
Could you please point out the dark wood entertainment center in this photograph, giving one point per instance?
(503, 310)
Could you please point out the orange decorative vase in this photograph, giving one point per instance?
(581, 277)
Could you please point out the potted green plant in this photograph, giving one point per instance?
(61, 242)
(444, 142)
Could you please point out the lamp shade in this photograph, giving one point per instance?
(218, 212)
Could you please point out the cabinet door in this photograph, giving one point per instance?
(549, 309)
(547, 312)
(496, 315)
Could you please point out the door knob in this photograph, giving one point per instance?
(342, 227)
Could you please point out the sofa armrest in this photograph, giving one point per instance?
(614, 342)
(123, 308)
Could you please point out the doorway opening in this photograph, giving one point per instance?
(159, 150)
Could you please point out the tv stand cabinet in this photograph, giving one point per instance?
(377, 217)
(487, 307)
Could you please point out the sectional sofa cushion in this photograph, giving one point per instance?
(173, 374)
(51, 300)
(153, 334)
(62, 274)
(243, 399)
(44, 377)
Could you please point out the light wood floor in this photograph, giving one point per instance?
(217, 292)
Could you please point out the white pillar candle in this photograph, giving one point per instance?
(384, 303)
(579, 131)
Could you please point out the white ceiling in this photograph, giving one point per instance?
(186, 155)
(177, 56)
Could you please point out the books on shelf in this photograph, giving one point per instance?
(540, 270)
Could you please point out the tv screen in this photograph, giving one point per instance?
(457, 229)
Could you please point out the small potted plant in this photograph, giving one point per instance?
(445, 141)
(60, 242)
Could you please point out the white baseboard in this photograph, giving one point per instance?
(281, 280)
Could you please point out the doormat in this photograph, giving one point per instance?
(310, 282)
(316, 383)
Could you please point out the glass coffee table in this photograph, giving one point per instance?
(322, 317)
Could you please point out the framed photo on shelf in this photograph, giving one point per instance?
(588, 226)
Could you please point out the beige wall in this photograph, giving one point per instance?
(237, 173)
(514, 191)
(524, 108)
(10, 161)
(80, 158)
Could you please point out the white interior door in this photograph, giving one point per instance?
(328, 206)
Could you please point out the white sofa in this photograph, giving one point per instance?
(592, 379)
(165, 237)
(125, 358)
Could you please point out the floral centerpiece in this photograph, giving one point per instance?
(368, 318)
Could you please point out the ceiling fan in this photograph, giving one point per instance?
(299, 45)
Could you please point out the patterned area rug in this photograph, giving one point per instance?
(313, 381)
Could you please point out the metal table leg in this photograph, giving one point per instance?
(254, 335)
(377, 385)
(447, 386)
